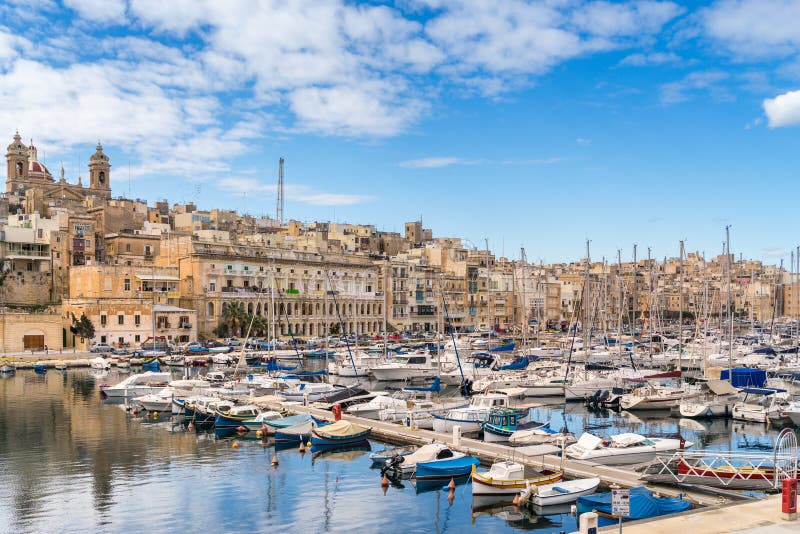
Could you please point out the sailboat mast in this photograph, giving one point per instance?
(680, 311)
(730, 312)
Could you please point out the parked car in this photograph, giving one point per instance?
(101, 347)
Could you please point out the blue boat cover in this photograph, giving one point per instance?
(435, 386)
(519, 363)
(288, 421)
(446, 466)
(745, 377)
(642, 504)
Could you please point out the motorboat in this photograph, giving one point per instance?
(622, 449)
(509, 478)
(472, 417)
(405, 367)
(763, 404)
(561, 492)
(718, 402)
(655, 398)
(406, 465)
(137, 385)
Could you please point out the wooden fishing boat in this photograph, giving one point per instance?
(509, 478)
(339, 433)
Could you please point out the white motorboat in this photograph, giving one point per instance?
(655, 398)
(472, 417)
(562, 492)
(761, 405)
(719, 403)
(137, 385)
(622, 449)
(373, 408)
(406, 366)
(406, 466)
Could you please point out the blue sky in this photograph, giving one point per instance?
(528, 123)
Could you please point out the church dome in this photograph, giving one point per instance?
(36, 169)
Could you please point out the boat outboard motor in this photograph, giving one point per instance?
(392, 462)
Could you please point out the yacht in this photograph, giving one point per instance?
(137, 385)
(622, 449)
(406, 366)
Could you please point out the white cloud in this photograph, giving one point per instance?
(701, 81)
(653, 58)
(431, 163)
(753, 28)
(293, 192)
(783, 110)
(106, 11)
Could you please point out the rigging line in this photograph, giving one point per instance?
(341, 323)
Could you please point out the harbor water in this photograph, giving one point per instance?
(73, 462)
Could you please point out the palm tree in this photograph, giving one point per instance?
(233, 315)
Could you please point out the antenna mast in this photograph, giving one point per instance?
(279, 214)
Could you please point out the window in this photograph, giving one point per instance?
(127, 284)
(137, 319)
(102, 320)
(120, 319)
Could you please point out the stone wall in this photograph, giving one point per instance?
(15, 326)
(26, 288)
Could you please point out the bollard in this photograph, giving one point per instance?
(789, 499)
(456, 436)
(587, 523)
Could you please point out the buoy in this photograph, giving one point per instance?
(235, 445)
(452, 485)
(258, 433)
(275, 460)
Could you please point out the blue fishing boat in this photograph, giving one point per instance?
(502, 422)
(339, 433)
(643, 505)
(445, 469)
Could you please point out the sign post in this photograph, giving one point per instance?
(620, 504)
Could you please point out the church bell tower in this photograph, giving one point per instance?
(100, 173)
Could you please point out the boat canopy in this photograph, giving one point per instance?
(341, 429)
(721, 387)
(745, 377)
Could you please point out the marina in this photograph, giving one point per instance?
(171, 454)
